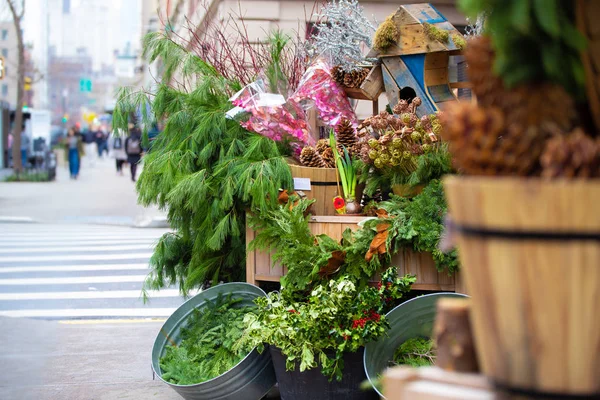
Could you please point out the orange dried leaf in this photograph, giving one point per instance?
(333, 264)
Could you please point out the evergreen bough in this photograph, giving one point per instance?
(203, 168)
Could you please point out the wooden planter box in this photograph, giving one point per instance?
(259, 264)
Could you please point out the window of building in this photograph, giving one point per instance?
(4, 53)
(4, 89)
(4, 34)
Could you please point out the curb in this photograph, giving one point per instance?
(152, 222)
(16, 220)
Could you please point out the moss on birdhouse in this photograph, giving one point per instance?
(386, 35)
(434, 33)
(459, 41)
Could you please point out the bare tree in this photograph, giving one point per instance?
(17, 10)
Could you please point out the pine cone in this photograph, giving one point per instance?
(573, 156)
(328, 158)
(346, 137)
(310, 158)
(527, 106)
(338, 74)
(322, 144)
(505, 134)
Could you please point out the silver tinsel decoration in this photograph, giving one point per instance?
(340, 36)
(475, 29)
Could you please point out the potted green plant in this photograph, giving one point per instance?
(525, 214)
(317, 342)
(348, 175)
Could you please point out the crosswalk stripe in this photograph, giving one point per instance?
(90, 312)
(71, 280)
(87, 249)
(73, 268)
(76, 257)
(50, 244)
(100, 294)
(62, 237)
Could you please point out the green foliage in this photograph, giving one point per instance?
(28, 177)
(204, 169)
(347, 168)
(335, 318)
(419, 223)
(207, 343)
(284, 230)
(415, 352)
(429, 166)
(535, 40)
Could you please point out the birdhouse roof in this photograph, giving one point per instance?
(411, 21)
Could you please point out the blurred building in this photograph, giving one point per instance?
(66, 97)
(9, 52)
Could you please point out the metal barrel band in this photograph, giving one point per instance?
(538, 394)
(318, 183)
(505, 234)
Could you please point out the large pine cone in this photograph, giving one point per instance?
(573, 156)
(322, 145)
(351, 79)
(328, 158)
(346, 137)
(541, 106)
(310, 158)
(522, 119)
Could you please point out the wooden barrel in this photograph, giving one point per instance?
(530, 255)
(323, 187)
(588, 12)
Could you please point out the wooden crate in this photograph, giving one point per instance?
(431, 383)
(259, 264)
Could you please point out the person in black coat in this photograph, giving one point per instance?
(133, 149)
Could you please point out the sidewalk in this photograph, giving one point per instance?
(99, 196)
(93, 360)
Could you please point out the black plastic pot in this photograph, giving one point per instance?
(313, 385)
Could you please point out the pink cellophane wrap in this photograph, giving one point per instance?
(330, 100)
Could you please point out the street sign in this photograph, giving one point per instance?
(85, 85)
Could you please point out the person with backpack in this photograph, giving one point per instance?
(118, 152)
(133, 148)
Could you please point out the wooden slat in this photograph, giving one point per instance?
(424, 12)
(337, 219)
(438, 76)
(437, 60)
(432, 383)
(441, 93)
(461, 85)
(267, 278)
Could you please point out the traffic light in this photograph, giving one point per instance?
(65, 118)
(28, 82)
(2, 64)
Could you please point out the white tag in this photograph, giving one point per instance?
(301, 183)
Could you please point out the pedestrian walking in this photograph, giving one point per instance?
(133, 148)
(90, 146)
(118, 152)
(75, 151)
(25, 144)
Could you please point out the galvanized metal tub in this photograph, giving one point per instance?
(412, 319)
(250, 379)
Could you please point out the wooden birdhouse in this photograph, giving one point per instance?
(417, 63)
